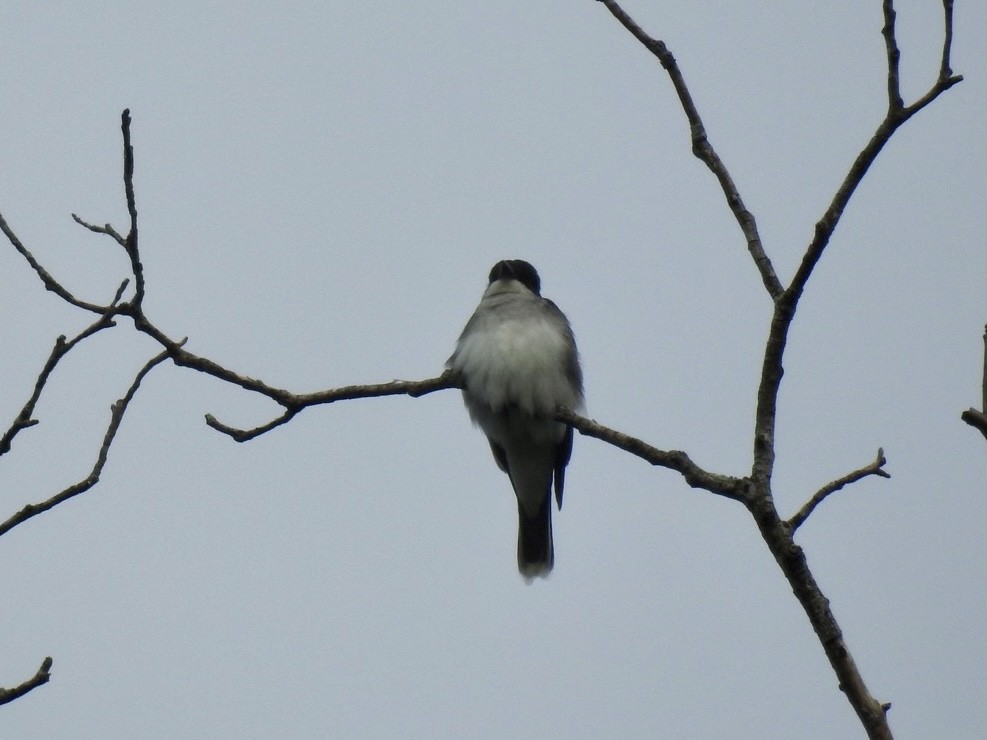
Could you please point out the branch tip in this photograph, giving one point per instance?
(875, 468)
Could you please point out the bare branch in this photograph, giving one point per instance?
(128, 182)
(702, 148)
(117, 410)
(105, 229)
(722, 485)
(61, 348)
(776, 532)
(976, 419)
(895, 103)
(244, 435)
(294, 403)
(897, 115)
(791, 559)
(38, 679)
(49, 282)
(786, 304)
(973, 417)
(945, 71)
(874, 468)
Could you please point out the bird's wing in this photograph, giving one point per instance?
(561, 460)
(500, 456)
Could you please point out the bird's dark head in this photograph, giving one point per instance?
(518, 270)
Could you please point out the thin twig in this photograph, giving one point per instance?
(703, 149)
(117, 411)
(62, 347)
(244, 435)
(104, 229)
(786, 304)
(294, 403)
(973, 417)
(47, 280)
(895, 103)
(38, 679)
(128, 182)
(945, 71)
(874, 468)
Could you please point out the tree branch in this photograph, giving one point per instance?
(978, 419)
(754, 491)
(47, 280)
(703, 149)
(294, 403)
(786, 304)
(791, 559)
(895, 102)
(104, 229)
(38, 679)
(117, 410)
(777, 533)
(61, 348)
(874, 468)
(896, 115)
(695, 476)
(128, 183)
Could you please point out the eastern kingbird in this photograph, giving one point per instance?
(517, 361)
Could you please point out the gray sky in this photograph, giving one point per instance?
(322, 189)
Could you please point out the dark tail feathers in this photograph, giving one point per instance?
(535, 553)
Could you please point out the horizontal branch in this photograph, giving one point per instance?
(294, 403)
(38, 679)
(695, 476)
(874, 468)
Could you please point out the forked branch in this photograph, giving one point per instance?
(117, 411)
(776, 532)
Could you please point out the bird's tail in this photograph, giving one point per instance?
(535, 553)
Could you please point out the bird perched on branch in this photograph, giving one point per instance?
(518, 362)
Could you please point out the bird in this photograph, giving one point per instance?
(517, 362)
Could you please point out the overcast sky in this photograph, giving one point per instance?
(322, 189)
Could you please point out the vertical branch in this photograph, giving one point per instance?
(973, 417)
(895, 102)
(983, 380)
(945, 71)
(128, 183)
(776, 533)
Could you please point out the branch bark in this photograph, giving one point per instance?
(117, 411)
(697, 477)
(38, 679)
(703, 149)
(874, 468)
(973, 417)
(777, 533)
